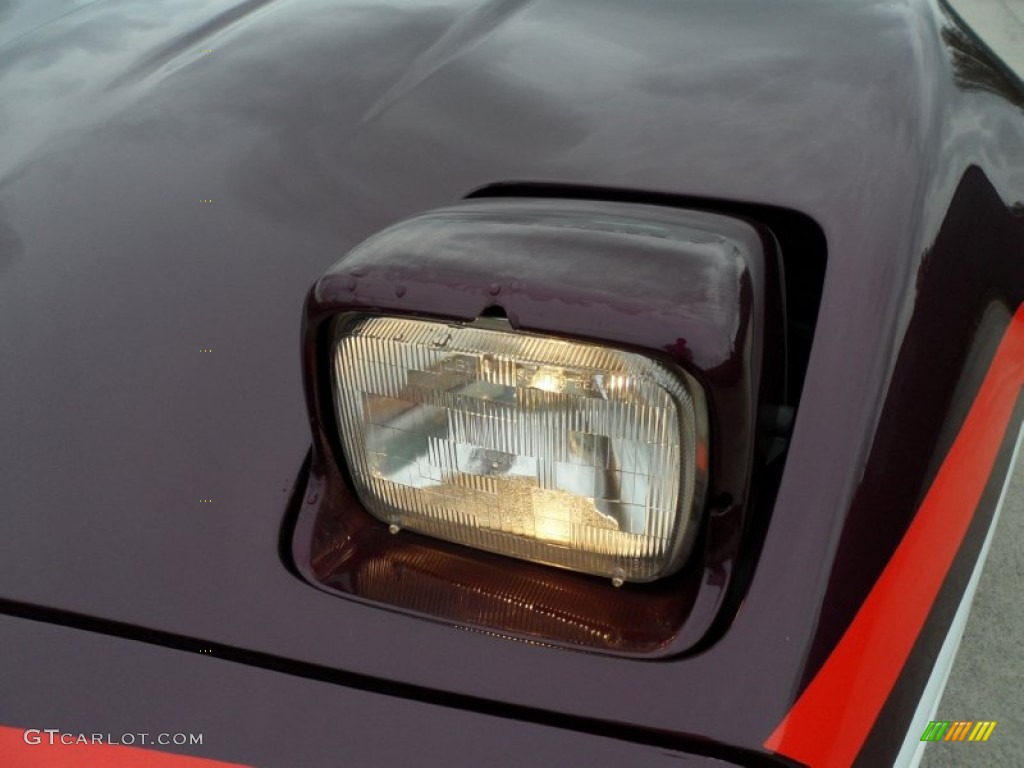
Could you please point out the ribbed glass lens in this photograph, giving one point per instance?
(564, 453)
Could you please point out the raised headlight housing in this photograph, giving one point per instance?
(571, 454)
(576, 383)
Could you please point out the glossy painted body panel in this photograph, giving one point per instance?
(310, 126)
(259, 717)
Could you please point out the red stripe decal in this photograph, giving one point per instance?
(831, 719)
(31, 748)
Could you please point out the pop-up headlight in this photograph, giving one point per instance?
(570, 454)
(570, 382)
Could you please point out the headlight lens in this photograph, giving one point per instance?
(570, 454)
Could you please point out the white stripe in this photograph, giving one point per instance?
(913, 748)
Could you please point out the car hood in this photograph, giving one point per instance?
(175, 175)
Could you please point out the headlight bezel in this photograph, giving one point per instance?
(539, 263)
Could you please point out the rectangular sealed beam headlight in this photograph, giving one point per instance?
(575, 455)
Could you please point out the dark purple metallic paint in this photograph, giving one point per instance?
(963, 310)
(313, 125)
(267, 718)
